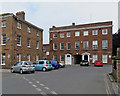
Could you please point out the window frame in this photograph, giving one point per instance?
(76, 46)
(61, 47)
(67, 45)
(62, 35)
(19, 40)
(104, 30)
(94, 32)
(54, 35)
(95, 45)
(3, 39)
(3, 57)
(18, 25)
(28, 42)
(76, 35)
(4, 23)
(54, 46)
(84, 33)
(68, 34)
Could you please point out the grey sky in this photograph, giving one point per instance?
(47, 14)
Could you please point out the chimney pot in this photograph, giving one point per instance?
(73, 24)
(21, 14)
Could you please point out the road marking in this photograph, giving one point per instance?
(53, 92)
(30, 82)
(37, 82)
(47, 88)
(42, 84)
(38, 89)
(34, 85)
(43, 93)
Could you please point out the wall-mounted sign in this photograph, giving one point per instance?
(110, 56)
(47, 53)
(8, 56)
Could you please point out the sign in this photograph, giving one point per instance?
(8, 56)
(47, 53)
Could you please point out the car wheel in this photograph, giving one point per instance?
(33, 71)
(12, 71)
(21, 71)
(44, 69)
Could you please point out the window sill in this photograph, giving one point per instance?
(28, 46)
(19, 28)
(19, 45)
(61, 49)
(68, 49)
(3, 26)
(2, 64)
(37, 48)
(3, 44)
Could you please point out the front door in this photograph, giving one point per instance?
(86, 57)
(68, 59)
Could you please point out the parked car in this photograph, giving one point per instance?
(98, 63)
(61, 65)
(43, 65)
(84, 63)
(23, 66)
(55, 64)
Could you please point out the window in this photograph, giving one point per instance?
(77, 45)
(28, 42)
(54, 46)
(104, 44)
(68, 34)
(94, 32)
(18, 57)
(77, 33)
(37, 57)
(104, 58)
(68, 45)
(28, 29)
(62, 58)
(62, 35)
(85, 33)
(37, 33)
(44, 49)
(3, 59)
(95, 57)
(55, 57)
(18, 25)
(85, 46)
(18, 40)
(28, 57)
(95, 44)
(3, 23)
(3, 39)
(54, 35)
(41, 62)
(104, 31)
(61, 46)
(37, 44)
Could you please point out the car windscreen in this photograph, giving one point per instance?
(47, 62)
(28, 63)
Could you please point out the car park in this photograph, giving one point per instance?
(84, 63)
(43, 65)
(55, 64)
(23, 66)
(61, 65)
(98, 63)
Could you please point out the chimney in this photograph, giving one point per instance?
(73, 24)
(53, 26)
(21, 15)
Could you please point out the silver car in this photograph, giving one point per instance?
(23, 66)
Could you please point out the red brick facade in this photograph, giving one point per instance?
(103, 54)
(11, 49)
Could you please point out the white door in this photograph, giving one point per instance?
(68, 60)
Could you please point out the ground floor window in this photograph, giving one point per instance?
(55, 57)
(37, 57)
(3, 59)
(18, 57)
(28, 57)
(104, 58)
(62, 58)
(95, 57)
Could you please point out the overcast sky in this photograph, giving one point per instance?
(47, 14)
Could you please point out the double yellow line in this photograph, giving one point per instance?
(107, 86)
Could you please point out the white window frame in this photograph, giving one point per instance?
(86, 33)
(86, 48)
(54, 46)
(76, 44)
(37, 44)
(3, 57)
(68, 34)
(18, 57)
(95, 57)
(37, 33)
(61, 35)
(28, 42)
(104, 58)
(95, 43)
(3, 39)
(67, 45)
(19, 41)
(61, 46)
(3, 23)
(29, 29)
(37, 57)
(104, 45)
(77, 34)
(61, 58)
(54, 35)
(94, 32)
(28, 57)
(18, 25)
(106, 30)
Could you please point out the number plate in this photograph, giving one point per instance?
(29, 69)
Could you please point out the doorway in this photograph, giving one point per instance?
(77, 59)
(86, 57)
(68, 59)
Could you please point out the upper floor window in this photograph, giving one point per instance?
(3, 59)
(18, 57)
(104, 31)
(37, 44)
(77, 33)
(95, 44)
(37, 33)
(28, 42)
(94, 32)
(18, 40)
(61, 46)
(68, 45)
(28, 29)
(3, 39)
(44, 49)
(68, 34)
(77, 45)
(3, 23)
(85, 46)
(104, 44)
(62, 35)
(54, 35)
(85, 33)
(18, 25)
(28, 57)
(54, 46)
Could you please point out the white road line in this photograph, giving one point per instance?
(47, 88)
(53, 92)
(30, 82)
(33, 79)
(42, 84)
(37, 82)
(34, 85)
(43, 93)
(38, 89)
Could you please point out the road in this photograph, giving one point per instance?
(68, 80)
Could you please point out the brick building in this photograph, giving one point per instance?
(71, 44)
(20, 40)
